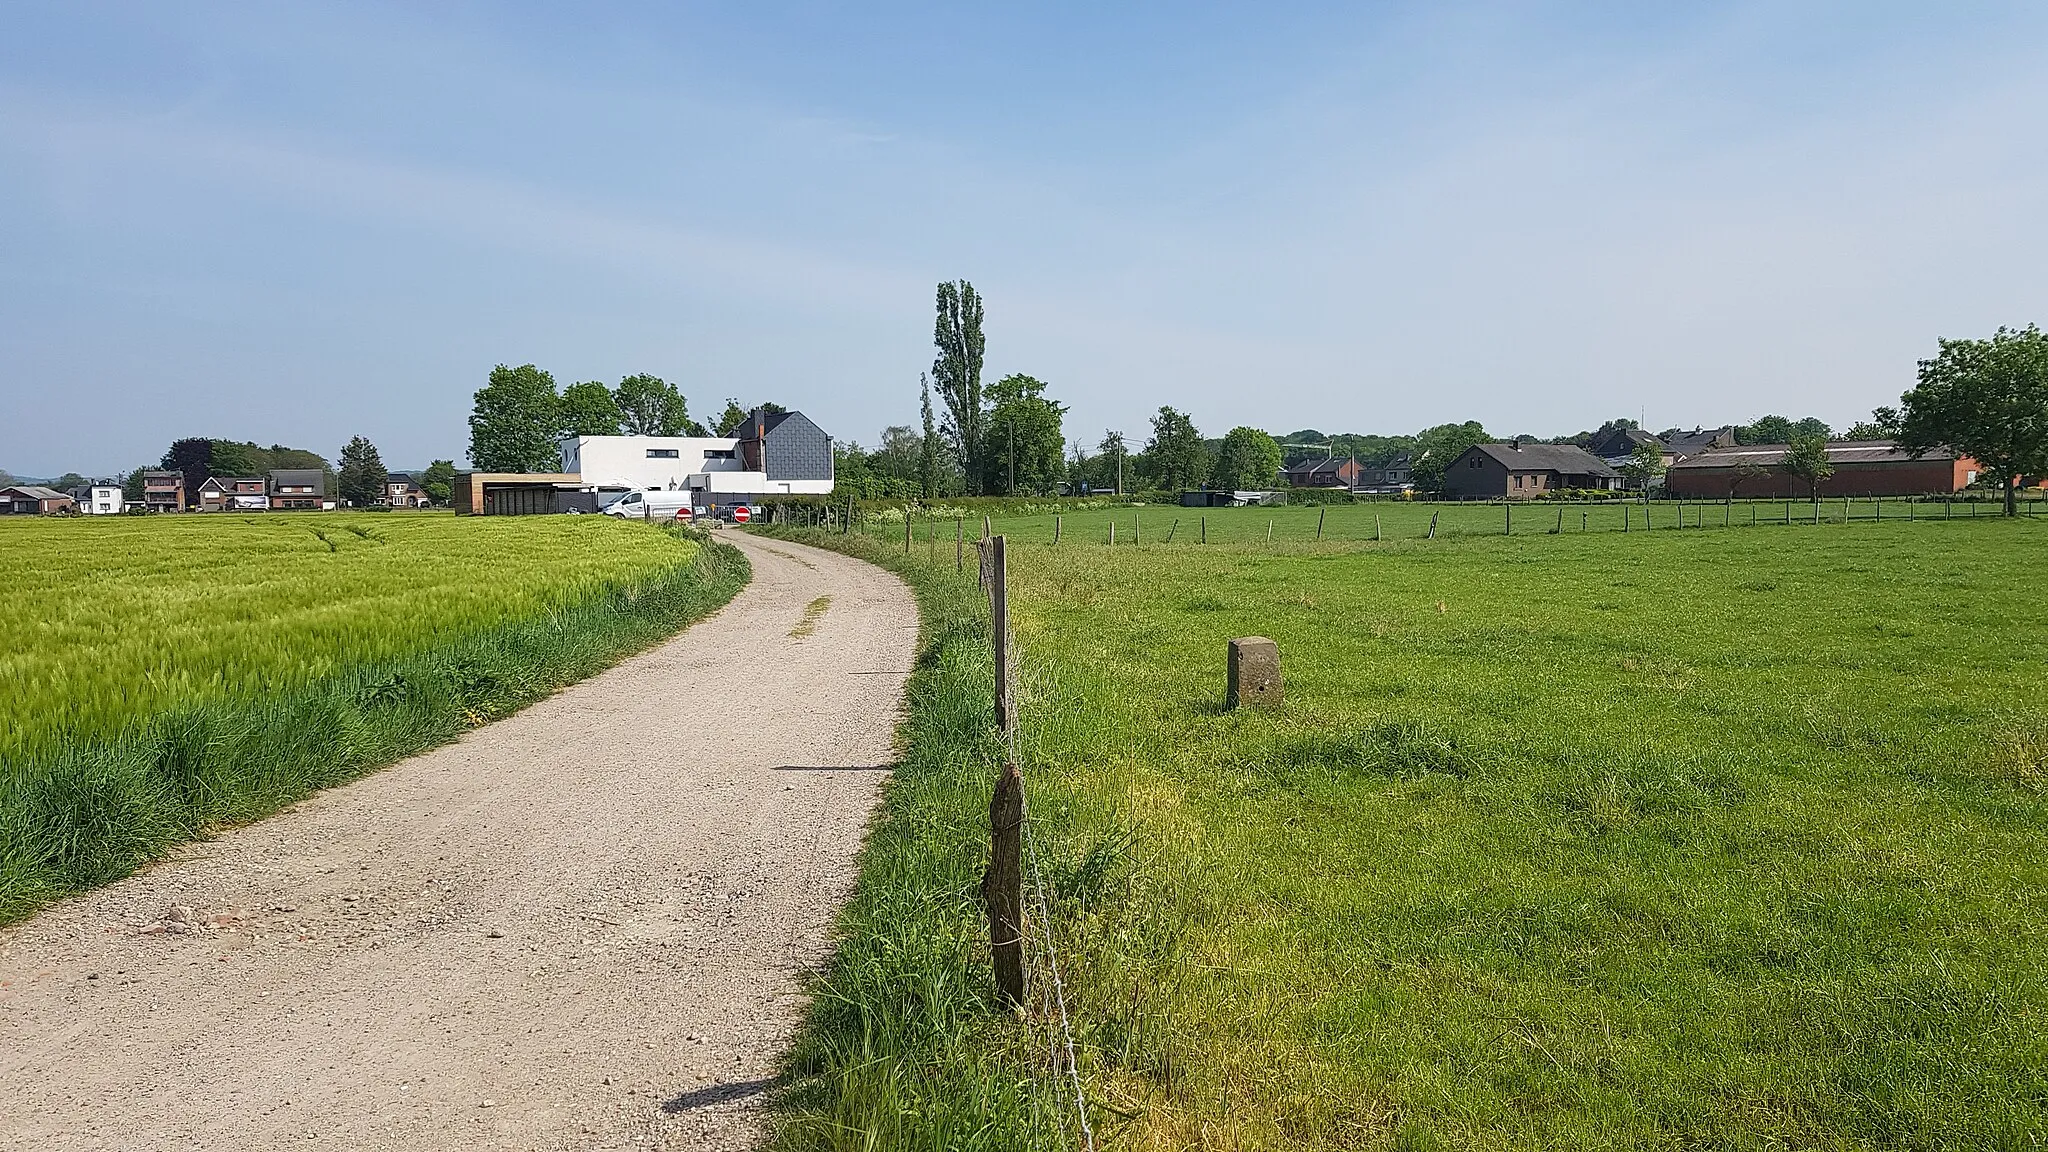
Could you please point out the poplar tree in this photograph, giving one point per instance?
(957, 371)
(928, 450)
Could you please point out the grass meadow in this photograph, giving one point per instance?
(166, 675)
(1730, 838)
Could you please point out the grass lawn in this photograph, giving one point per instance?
(1661, 840)
(162, 675)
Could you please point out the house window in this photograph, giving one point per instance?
(719, 454)
(663, 453)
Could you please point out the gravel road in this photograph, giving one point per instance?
(583, 926)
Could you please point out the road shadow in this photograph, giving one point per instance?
(712, 1094)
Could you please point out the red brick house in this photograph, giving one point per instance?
(233, 493)
(163, 491)
(1333, 472)
(1862, 468)
(1520, 471)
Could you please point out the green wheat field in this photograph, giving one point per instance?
(1729, 838)
(160, 676)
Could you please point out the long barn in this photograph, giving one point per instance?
(1862, 468)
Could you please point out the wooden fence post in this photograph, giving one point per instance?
(1320, 514)
(1002, 886)
(1269, 531)
(1510, 529)
(906, 530)
(1205, 529)
(1137, 530)
(1432, 527)
(1375, 528)
(1112, 533)
(959, 543)
(1172, 528)
(999, 626)
(1055, 529)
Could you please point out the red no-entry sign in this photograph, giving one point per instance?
(742, 514)
(685, 512)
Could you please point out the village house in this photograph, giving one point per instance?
(98, 499)
(163, 491)
(402, 490)
(1329, 472)
(1861, 468)
(1392, 478)
(234, 494)
(298, 489)
(1525, 471)
(34, 500)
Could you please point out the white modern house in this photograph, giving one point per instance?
(98, 499)
(775, 454)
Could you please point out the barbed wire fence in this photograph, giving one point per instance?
(1019, 861)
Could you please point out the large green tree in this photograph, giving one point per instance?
(193, 456)
(1436, 447)
(362, 472)
(1766, 430)
(1248, 459)
(957, 373)
(1112, 451)
(1023, 446)
(1986, 399)
(438, 481)
(651, 406)
(514, 423)
(589, 409)
(1175, 457)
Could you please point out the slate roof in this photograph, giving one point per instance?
(1332, 465)
(1698, 440)
(1569, 459)
(1621, 442)
(1840, 452)
(297, 477)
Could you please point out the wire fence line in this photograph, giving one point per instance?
(1063, 1059)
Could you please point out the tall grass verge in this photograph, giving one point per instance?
(905, 1047)
(82, 813)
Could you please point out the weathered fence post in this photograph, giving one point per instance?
(999, 627)
(1172, 528)
(1432, 526)
(906, 529)
(1320, 514)
(1112, 533)
(1510, 529)
(1055, 529)
(1002, 886)
(1269, 531)
(1205, 529)
(959, 543)
(1375, 528)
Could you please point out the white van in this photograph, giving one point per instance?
(661, 504)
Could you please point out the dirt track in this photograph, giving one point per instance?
(582, 926)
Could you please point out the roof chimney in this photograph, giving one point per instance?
(1517, 443)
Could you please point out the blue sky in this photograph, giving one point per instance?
(298, 223)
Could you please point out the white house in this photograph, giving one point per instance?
(98, 499)
(776, 454)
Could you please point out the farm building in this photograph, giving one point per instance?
(519, 493)
(1331, 472)
(1521, 471)
(163, 491)
(1862, 468)
(98, 499)
(33, 500)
